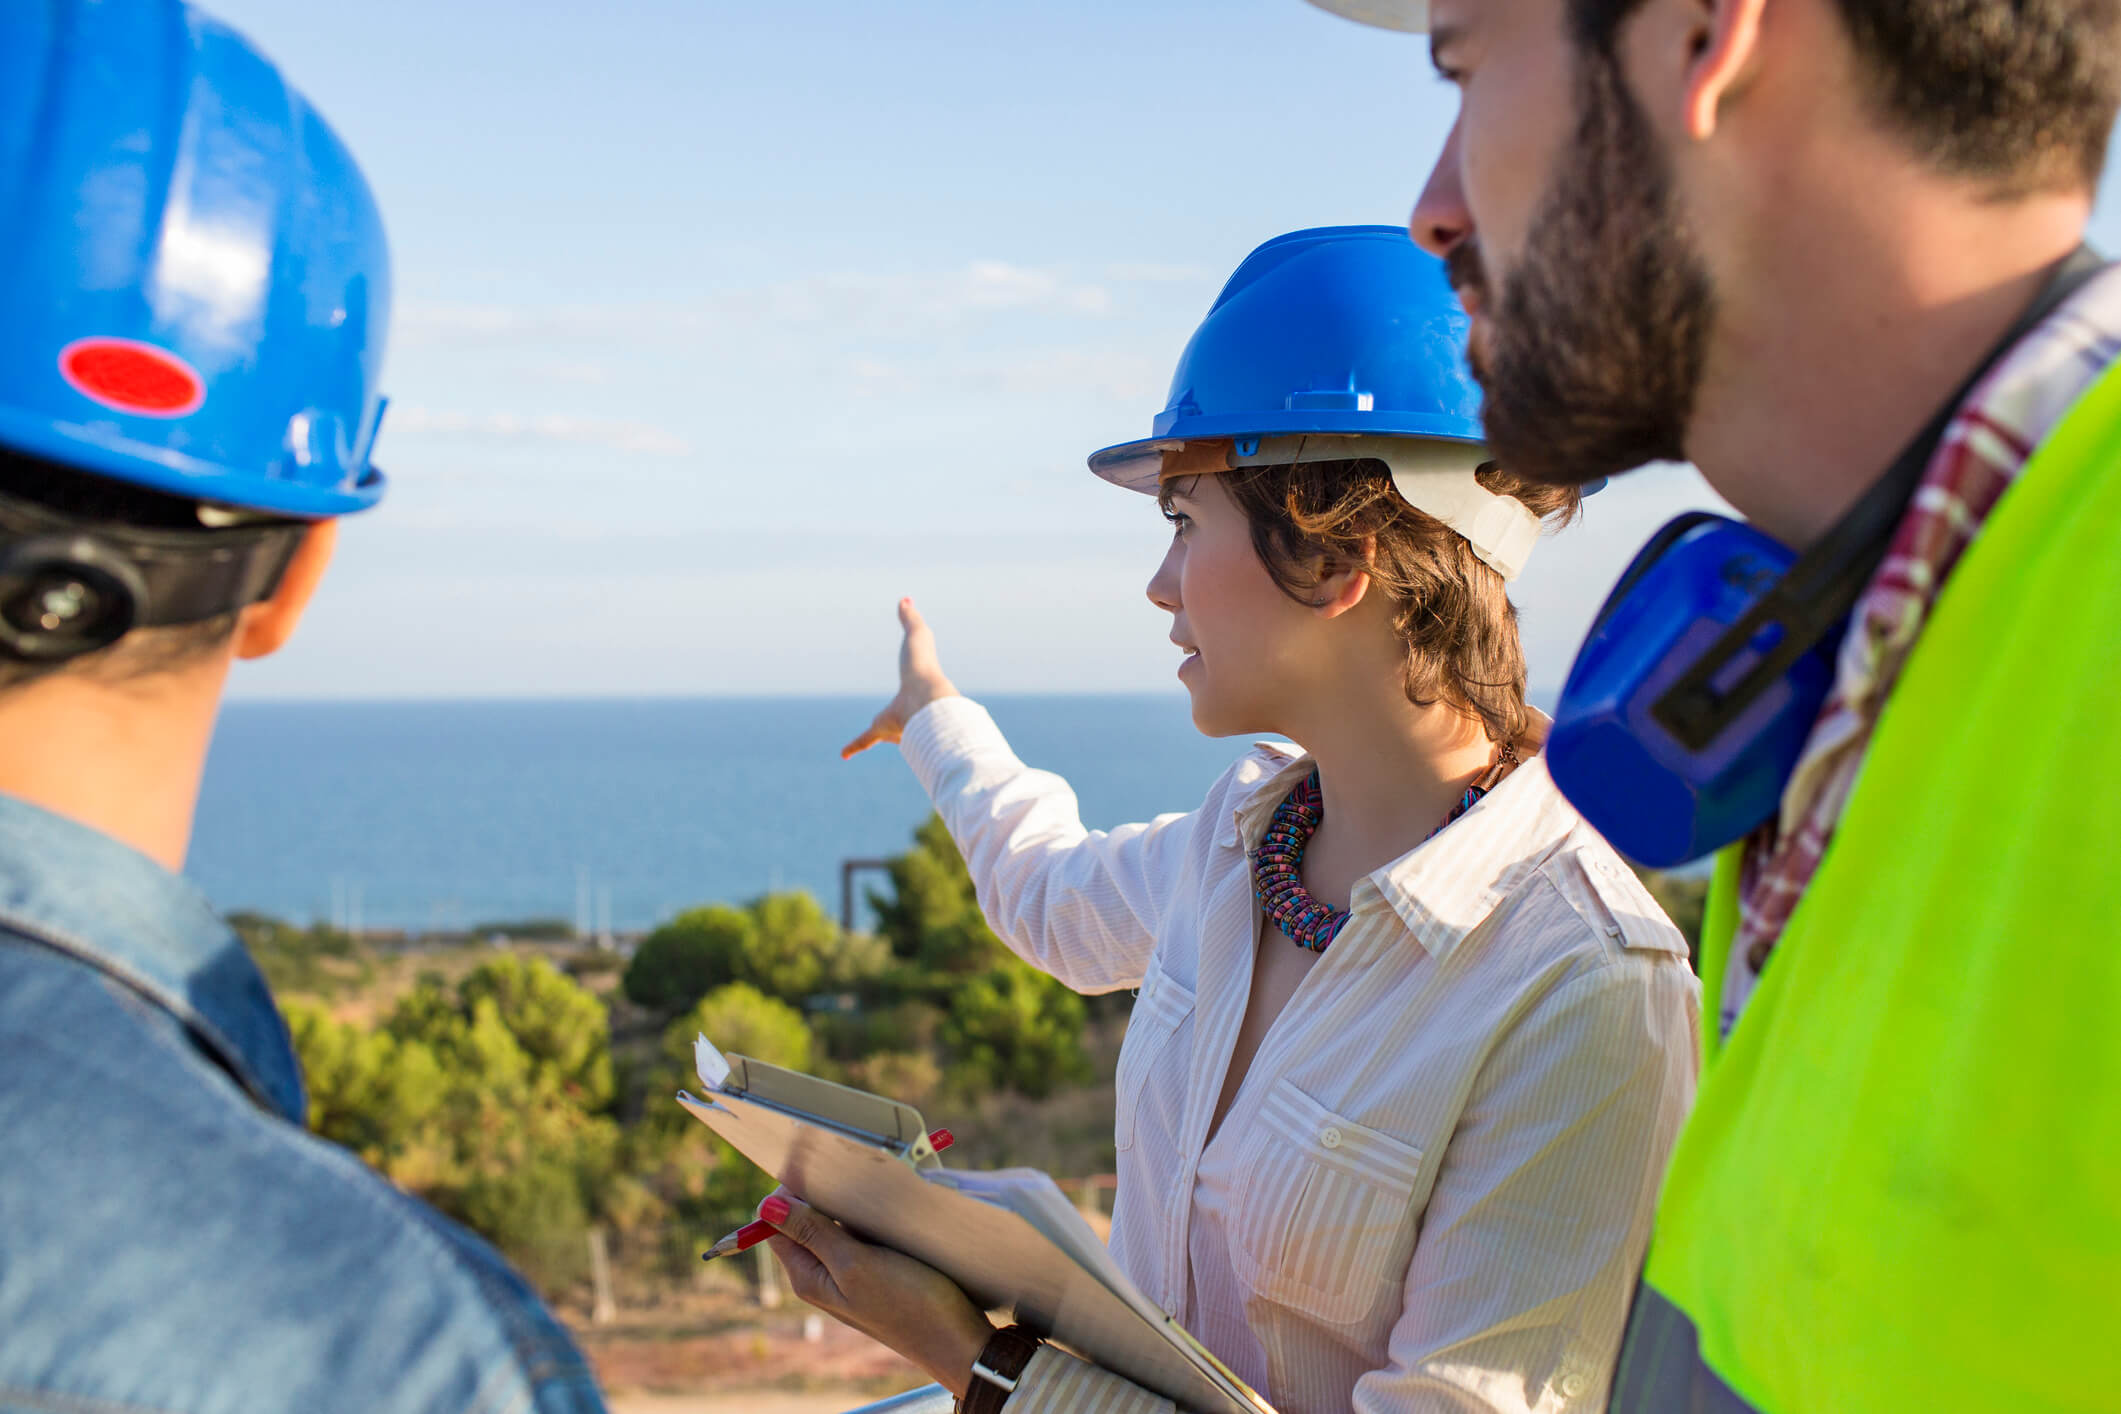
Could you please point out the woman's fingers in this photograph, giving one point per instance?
(806, 1226)
(812, 1247)
(920, 682)
(808, 1275)
(917, 658)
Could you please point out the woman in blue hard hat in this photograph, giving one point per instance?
(1412, 1043)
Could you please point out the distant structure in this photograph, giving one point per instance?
(848, 869)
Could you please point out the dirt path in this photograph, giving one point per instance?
(717, 1354)
(740, 1402)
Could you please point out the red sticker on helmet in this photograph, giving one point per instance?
(132, 377)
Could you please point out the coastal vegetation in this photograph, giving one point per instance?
(524, 1087)
(521, 1081)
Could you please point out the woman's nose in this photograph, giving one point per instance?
(1163, 585)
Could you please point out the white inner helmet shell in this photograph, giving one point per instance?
(1434, 477)
(1409, 15)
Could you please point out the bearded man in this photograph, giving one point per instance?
(1801, 242)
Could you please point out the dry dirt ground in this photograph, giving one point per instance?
(716, 1353)
(736, 1402)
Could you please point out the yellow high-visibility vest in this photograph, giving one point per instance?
(1900, 1188)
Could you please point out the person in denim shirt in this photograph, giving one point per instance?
(194, 298)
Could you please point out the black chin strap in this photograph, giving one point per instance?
(1815, 597)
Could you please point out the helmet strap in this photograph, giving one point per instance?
(71, 586)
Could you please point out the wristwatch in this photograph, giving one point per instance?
(994, 1375)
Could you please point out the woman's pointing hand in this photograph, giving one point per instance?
(920, 682)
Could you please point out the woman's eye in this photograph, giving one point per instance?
(1179, 520)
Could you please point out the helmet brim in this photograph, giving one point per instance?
(103, 452)
(1137, 465)
(1410, 16)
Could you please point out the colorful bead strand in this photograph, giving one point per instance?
(1277, 865)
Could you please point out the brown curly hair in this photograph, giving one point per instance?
(1449, 606)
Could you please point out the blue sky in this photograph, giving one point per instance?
(721, 326)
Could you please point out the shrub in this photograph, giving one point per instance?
(486, 1099)
(801, 950)
(742, 1019)
(536, 1215)
(560, 1026)
(911, 1076)
(688, 957)
(932, 918)
(1018, 1028)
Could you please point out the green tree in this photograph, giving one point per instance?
(783, 944)
(793, 944)
(742, 1019)
(1015, 1027)
(488, 1099)
(802, 951)
(367, 1089)
(932, 918)
(691, 955)
(560, 1026)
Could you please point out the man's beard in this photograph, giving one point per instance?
(1592, 356)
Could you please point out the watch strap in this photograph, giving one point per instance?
(1002, 1361)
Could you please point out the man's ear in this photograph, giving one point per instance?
(1723, 45)
(1685, 58)
(269, 623)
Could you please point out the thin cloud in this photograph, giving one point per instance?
(604, 433)
(852, 301)
(1139, 272)
(572, 371)
(1111, 374)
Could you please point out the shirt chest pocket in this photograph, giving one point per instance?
(1163, 1007)
(1323, 1218)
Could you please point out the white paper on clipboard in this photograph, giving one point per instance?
(1010, 1238)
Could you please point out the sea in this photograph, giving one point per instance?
(613, 815)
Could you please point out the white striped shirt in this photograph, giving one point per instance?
(1493, 1058)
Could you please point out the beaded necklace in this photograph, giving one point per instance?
(1277, 864)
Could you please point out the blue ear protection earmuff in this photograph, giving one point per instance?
(1691, 700)
(1668, 741)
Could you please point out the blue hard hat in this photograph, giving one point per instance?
(194, 281)
(1344, 330)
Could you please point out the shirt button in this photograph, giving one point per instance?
(1330, 1137)
(1571, 1385)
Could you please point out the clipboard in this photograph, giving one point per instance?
(1010, 1239)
